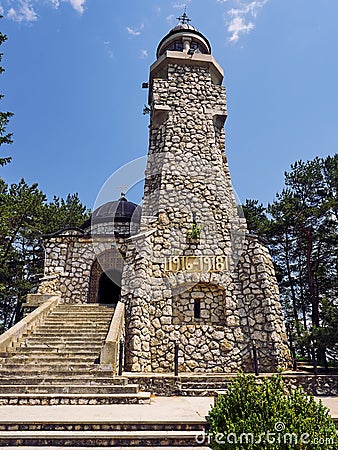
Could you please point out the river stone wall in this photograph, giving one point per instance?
(71, 264)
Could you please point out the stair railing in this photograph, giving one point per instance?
(11, 337)
(111, 348)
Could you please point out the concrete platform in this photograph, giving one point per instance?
(112, 448)
(180, 409)
(175, 411)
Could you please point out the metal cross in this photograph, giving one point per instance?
(123, 188)
(184, 19)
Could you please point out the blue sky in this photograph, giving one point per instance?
(74, 70)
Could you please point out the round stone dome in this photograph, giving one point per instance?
(184, 26)
(116, 211)
(184, 37)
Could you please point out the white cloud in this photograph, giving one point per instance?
(55, 3)
(240, 18)
(135, 31)
(78, 5)
(181, 5)
(171, 20)
(238, 26)
(144, 54)
(23, 12)
(108, 49)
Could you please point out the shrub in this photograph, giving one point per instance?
(262, 414)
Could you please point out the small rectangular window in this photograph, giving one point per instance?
(197, 308)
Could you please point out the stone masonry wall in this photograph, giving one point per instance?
(187, 179)
(69, 260)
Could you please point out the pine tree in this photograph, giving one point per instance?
(5, 138)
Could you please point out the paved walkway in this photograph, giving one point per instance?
(173, 409)
(332, 404)
(179, 409)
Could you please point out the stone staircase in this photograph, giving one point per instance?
(204, 386)
(58, 363)
(100, 435)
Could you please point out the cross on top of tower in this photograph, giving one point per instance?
(184, 19)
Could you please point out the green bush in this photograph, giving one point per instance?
(262, 414)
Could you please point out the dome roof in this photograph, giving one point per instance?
(116, 211)
(183, 28)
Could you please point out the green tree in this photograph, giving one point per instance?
(256, 217)
(301, 228)
(25, 216)
(21, 209)
(5, 138)
(264, 415)
(64, 213)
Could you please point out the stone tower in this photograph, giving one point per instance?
(193, 275)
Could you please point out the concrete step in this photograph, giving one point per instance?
(73, 330)
(206, 385)
(68, 332)
(110, 424)
(77, 317)
(53, 343)
(38, 366)
(57, 348)
(77, 336)
(80, 323)
(69, 389)
(74, 399)
(84, 323)
(75, 369)
(151, 447)
(64, 380)
(82, 311)
(53, 352)
(76, 325)
(203, 389)
(199, 392)
(58, 338)
(53, 359)
(85, 306)
(100, 438)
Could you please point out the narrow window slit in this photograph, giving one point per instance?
(197, 308)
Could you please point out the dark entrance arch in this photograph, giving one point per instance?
(105, 278)
(109, 287)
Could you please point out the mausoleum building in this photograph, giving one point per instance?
(184, 266)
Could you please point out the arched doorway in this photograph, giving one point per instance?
(109, 287)
(105, 278)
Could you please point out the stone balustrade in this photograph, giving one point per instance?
(111, 348)
(10, 337)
